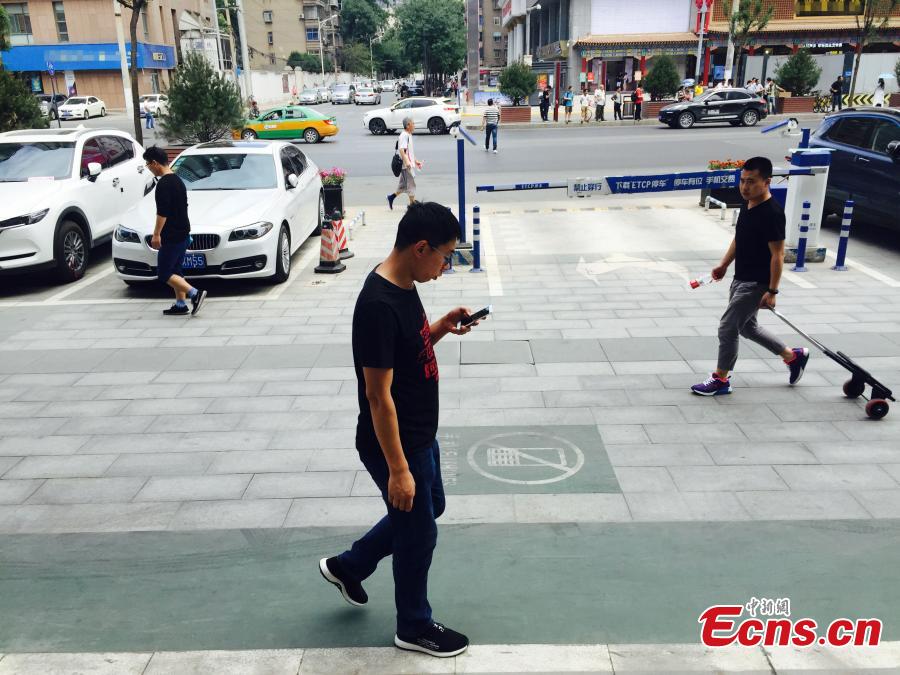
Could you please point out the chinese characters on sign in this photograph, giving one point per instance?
(677, 181)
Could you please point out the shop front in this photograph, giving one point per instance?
(621, 61)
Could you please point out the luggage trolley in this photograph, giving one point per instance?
(877, 405)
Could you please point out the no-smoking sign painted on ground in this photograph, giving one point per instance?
(526, 458)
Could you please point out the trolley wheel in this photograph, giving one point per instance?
(877, 408)
(854, 388)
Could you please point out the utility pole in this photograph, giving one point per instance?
(321, 52)
(245, 48)
(123, 61)
(729, 56)
(703, 11)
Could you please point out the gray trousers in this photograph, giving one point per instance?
(740, 320)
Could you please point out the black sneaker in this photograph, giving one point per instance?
(797, 365)
(437, 641)
(197, 300)
(351, 590)
(177, 310)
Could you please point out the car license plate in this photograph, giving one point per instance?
(193, 261)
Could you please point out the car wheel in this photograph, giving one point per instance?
(377, 126)
(437, 126)
(71, 252)
(321, 218)
(248, 134)
(282, 257)
(86, 115)
(750, 118)
(685, 120)
(102, 112)
(311, 136)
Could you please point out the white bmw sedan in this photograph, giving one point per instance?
(82, 107)
(251, 205)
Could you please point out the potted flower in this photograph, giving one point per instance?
(729, 195)
(333, 189)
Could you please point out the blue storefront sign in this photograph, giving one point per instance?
(102, 56)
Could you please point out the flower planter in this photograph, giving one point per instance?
(790, 105)
(650, 109)
(894, 101)
(334, 199)
(515, 113)
(173, 151)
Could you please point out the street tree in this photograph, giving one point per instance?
(799, 74)
(390, 56)
(517, 81)
(203, 105)
(897, 70)
(361, 19)
(749, 17)
(871, 18)
(433, 35)
(355, 58)
(136, 7)
(308, 62)
(5, 29)
(663, 79)
(19, 109)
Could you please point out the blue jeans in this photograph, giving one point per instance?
(490, 131)
(149, 119)
(409, 536)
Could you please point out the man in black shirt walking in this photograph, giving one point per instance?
(172, 233)
(397, 376)
(758, 252)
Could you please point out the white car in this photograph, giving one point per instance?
(324, 93)
(367, 95)
(310, 96)
(62, 192)
(387, 85)
(251, 205)
(434, 114)
(343, 93)
(82, 107)
(157, 104)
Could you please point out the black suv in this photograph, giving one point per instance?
(735, 106)
(865, 163)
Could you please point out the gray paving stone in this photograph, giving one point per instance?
(63, 664)
(650, 367)
(837, 477)
(250, 405)
(287, 356)
(725, 478)
(880, 503)
(685, 506)
(111, 379)
(364, 486)
(232, 514)
(32, 427)
(664, 454)
(496, 352)
(559, 383)
(482, 370)
(822, 659)
(623, 434)
(713, 411)
(195, 423)
(334, 356)
(211, 358)
(648, 658)
(791, 431)
(193, 488)
(122, 424)
(126, 360)
(63, 360)
(69, 466)
(161, 464)
(570, 508)
(87, 490)
(863, 430)
(509, 400)
(462, 509)
(820, 411)
(567, 351)
(21, 446)
(332, 374)
(334, 460)
(347, 404)
(83, 408)
(334, 512)
(70, 393)
(26, 379)
(846, 452)
(547, 416)
(644, 479)
(87, 518)
(661, 414)
(266, 461)
(578, 399)
(745, 452)
(640, 349)
(142, 391)
(314, 439)
(301, 388)
(193, 376)
(221, 441)
(17, 491)
(580, 368)
(372, 661)
(299, 485)
(696, 433)
(282, 421)
(21, 409)
(168, 406)
(220, 390)
(801, 505)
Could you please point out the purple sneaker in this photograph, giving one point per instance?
(798, 364)
(712, 386)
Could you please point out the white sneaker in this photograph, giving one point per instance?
(495, 152)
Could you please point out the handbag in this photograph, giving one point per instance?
(396, 162)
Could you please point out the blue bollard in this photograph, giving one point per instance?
(476, 239)
(800, 265)
(839, 265)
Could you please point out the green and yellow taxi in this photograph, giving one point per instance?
(291, 121)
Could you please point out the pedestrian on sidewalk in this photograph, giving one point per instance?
(397, 385)
(584, 101)
(837, 94)
(772, 90)
(490, 122)
(600, 104)
(407, 182)
(757, 250)
(172, 233)
(148, 119)
(568, 102)
(617, 104)
(878, 98)
(638, 98)
(545, 103)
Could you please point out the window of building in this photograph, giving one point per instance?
(270, 38)
(145, 25)
(312, 34)
(496, 53)
(59, 14)
(828, 7)
(480, 20)
(271, 59)
(496, 37)
(267, 16)
(496, 20)
(19, 24)
(311, 12)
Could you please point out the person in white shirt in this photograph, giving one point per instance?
(585, 102)
(600, 104)
(490, 122)
(407, 182)
(878, 98)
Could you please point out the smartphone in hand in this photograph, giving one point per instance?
(477, 316)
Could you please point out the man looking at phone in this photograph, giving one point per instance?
(758, 253)
(397, 376)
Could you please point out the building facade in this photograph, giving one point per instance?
(275, 28)
(76, 40)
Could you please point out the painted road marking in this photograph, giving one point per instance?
(797, 279)
(79, 285)
(525, 458)
(298, 267)
(875, 274)
(491, 266)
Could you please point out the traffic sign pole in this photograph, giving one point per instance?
(51, 71)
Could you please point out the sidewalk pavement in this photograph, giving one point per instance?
(168, 484)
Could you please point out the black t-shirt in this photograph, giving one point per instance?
(171, 202)
(391, 330)
(756, 227)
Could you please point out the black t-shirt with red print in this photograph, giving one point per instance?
(391, 330)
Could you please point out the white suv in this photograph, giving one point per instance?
(157, 104)
(434, 114)
(62, 192)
